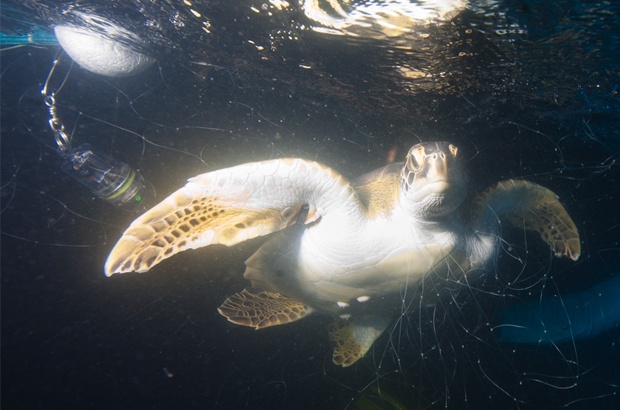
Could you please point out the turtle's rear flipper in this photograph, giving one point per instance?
(533, 207)
(352, 338)
(261, 308)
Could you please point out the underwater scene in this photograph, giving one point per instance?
(310, 204)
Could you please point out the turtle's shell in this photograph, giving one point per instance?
(370, 247)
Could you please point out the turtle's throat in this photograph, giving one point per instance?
(433, 199)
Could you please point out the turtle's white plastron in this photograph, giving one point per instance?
(341, 248)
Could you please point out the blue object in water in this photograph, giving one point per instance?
(579, 315)
(39, 37)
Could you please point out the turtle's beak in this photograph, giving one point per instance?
(437, 168)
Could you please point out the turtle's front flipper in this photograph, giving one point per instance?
(229, 206)
(351, 338)
(261, 308)
(533, 207)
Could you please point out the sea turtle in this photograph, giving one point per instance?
(347, 249)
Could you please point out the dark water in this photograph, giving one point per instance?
(525, 89)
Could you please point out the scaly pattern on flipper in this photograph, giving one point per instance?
(260, 308)
(351, 338)
(533, 207)
(347, 350)
(229, 206)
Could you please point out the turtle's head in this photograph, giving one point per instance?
(432, 180)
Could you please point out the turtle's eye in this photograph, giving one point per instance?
(453, 150)
(416, 158)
